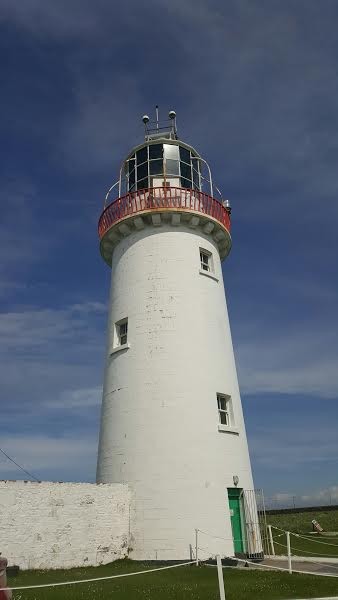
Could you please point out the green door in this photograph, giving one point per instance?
(236, 521)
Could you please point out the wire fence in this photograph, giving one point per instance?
(91, 580)
(204, 557)
(289, 501)
(312, 550)
(205, 562)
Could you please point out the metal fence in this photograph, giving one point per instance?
(294, 502)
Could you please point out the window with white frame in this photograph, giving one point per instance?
(122, 332)
(224, 410)
(206, 260)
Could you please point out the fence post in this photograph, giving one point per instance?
(196, 546)
(271, 540)
(289, 551)
(220, 577)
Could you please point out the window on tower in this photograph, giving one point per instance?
(224, 406)
(207, 266)
(122, 332)
(206, 263)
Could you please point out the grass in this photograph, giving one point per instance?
(195, 583)
(300, 522)
(308, 547)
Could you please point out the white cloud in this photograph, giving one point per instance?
(52, 357)
(38, 327)
(58, 456)
(17, 244)
(260, 372)
(289, 448)
(323, 497)
(87, 143)
(62, 19)
(264, 74)
(282, 350)
(77, 399)
(256, 93)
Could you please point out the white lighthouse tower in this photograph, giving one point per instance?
(172, 424)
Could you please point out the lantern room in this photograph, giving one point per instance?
(161, 179)
(162, 163)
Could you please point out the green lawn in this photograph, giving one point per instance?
(301, 521)
(308, 547)
(195, 583)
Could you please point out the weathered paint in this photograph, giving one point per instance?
(159, 425)
(62, 525)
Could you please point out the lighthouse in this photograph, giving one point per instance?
(172, 425)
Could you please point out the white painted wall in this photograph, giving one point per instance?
(159, 427)
(61, 525)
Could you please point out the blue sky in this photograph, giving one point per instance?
(255, 86)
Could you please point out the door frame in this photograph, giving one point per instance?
(237, 493)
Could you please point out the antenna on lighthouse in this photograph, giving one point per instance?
(154, 129)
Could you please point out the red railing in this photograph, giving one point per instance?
(159, 198)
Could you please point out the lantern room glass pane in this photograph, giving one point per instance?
(130, 164)
(156, 167)
(185, 170)
(142, 155)
(196, 178)
(184, 154)
(132, 178)
(186, 183)
(143, 184)
(171, 151)
(172, 167)
(155, 151)
(142, 171)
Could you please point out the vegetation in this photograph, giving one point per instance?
(300, 522)
(183, 582)
(313, 545)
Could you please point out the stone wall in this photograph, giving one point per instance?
(61, 525)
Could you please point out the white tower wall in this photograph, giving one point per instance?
(159, 425)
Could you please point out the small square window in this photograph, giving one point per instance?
(122, 332)
(206, 261)
(224, 406)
